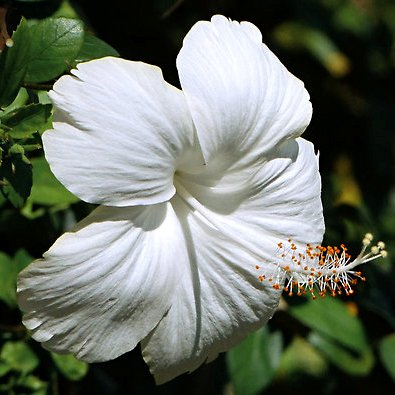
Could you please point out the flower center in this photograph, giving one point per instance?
(311, 269)
(321, 269)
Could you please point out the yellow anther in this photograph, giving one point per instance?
(366, 241)
(369, 236)
(384, 253)
(381, 245)
(375, 250)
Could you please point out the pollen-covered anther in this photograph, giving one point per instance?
(325, 270)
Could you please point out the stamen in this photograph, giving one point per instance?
(320, 269)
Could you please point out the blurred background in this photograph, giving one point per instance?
(344, 51)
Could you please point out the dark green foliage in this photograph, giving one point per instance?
(13, 64)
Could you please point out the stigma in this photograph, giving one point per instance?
(320, 270)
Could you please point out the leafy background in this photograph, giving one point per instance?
(344, 51)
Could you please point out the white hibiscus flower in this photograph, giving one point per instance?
(196, 188)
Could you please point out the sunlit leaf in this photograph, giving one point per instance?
(253, 363)
(71, 368)
(34, 384)
(301, 357)
(295, 35)
(332, 318)
(359, 364)
(13, 64)
(19, 356)
(21, 99)
(46, 188)
(387, 354)
(55, 45)
(31, 212)
(27, 119)
(43, 97)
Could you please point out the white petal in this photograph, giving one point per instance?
(232, 228)
(281, 198)
(121, 130)
(219, 302)
(242, 99)
(287, 202)
(102, 288)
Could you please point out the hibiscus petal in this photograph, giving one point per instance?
(242, 99)
(102, 288)
(282, 197)
(287, 195)
(220, 300)
(120, 132)
(232, 228)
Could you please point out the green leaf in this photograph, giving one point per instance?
(358, 364)
(21, 99)
(31, 212)
(4, 368)
(43, 97)
(47, 190)
(94, 48)
(21, 259)
(387, 354)
(351, 17)
(71, 367)
(34, 384)
(16, 172)
(56, 43)
(7, 278)
(19, 356)
(253, 363)
(13, 64)
(9, 269)
(300, 36)
(331, 318)
(300, 357)
(3, 200)
(26, 120)
(66, 9)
